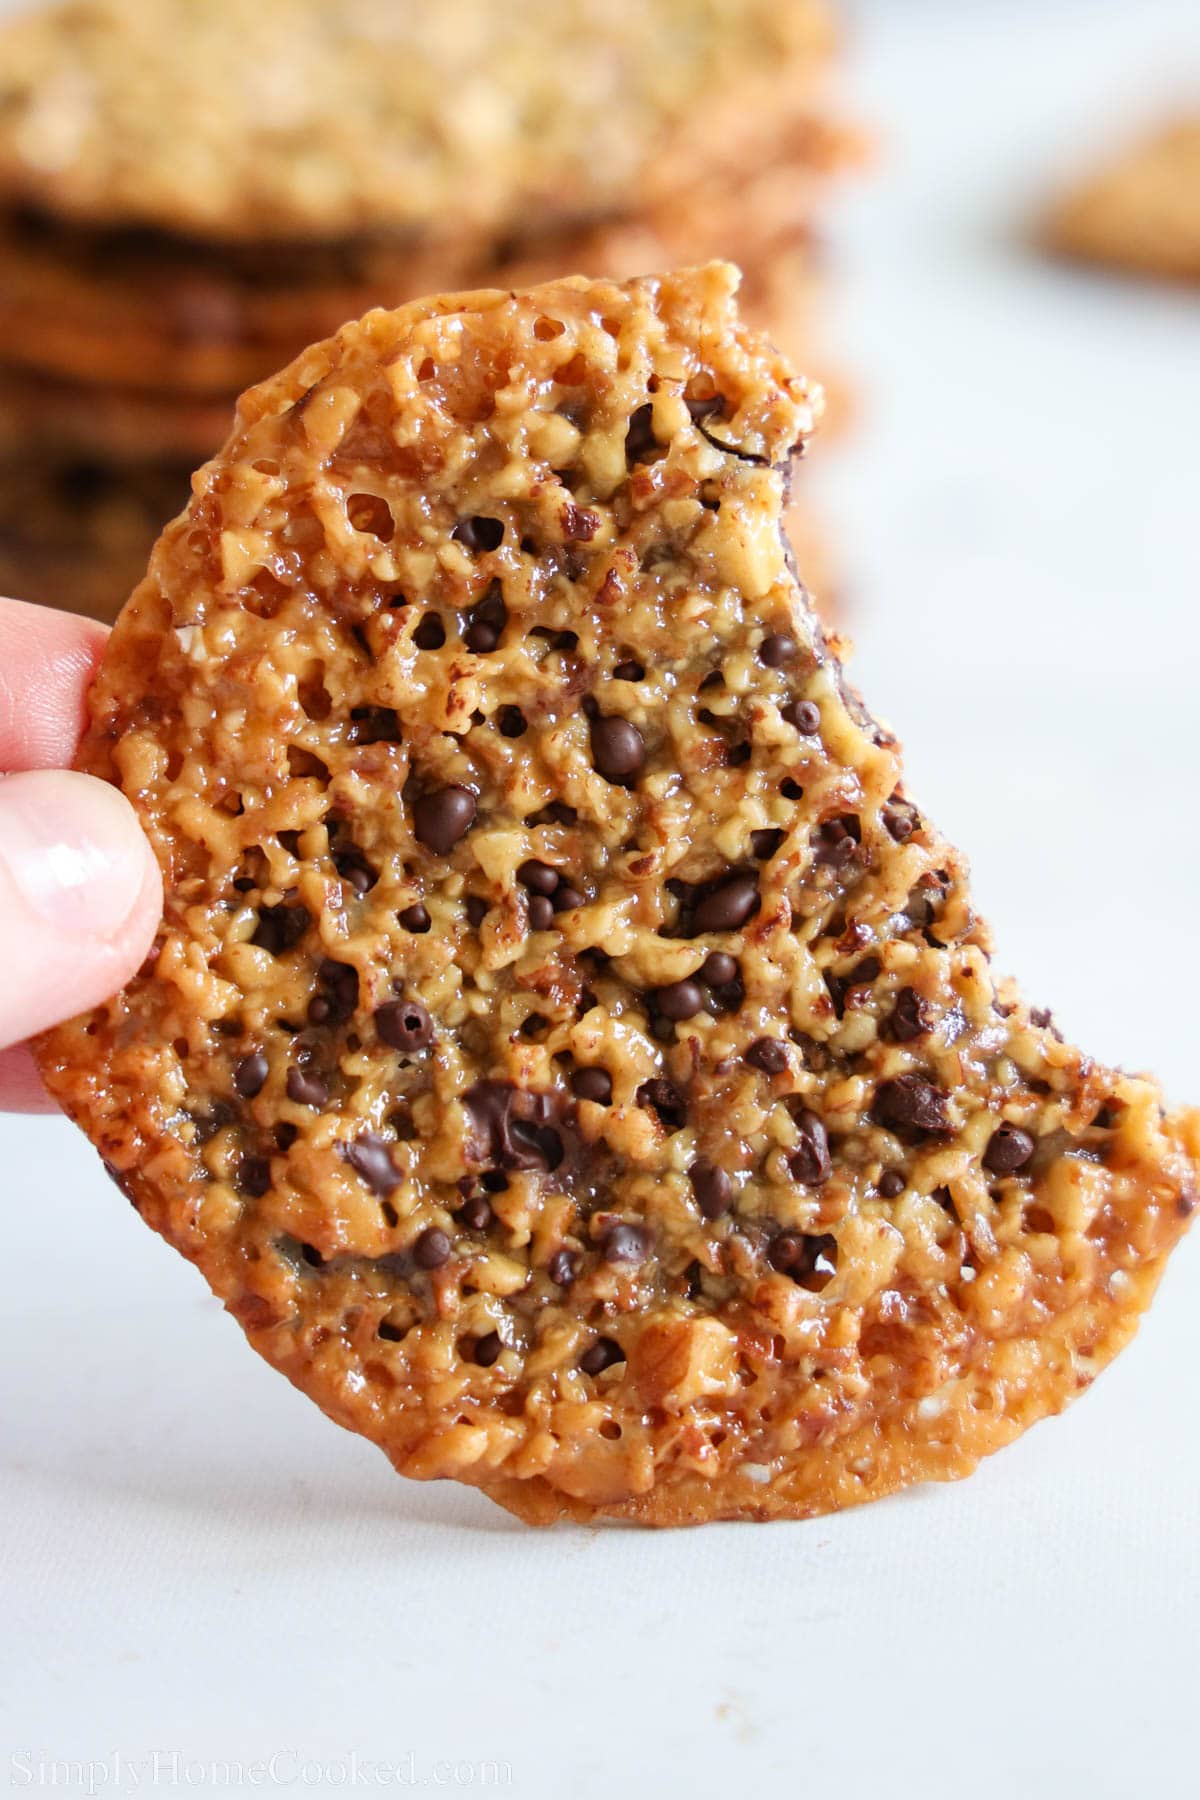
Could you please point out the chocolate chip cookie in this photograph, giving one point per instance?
(569, 1052)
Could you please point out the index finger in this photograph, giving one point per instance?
(47, 662)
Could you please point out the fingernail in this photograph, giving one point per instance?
(73, 849)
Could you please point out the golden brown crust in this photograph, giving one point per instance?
(1142, 211)
(568, 1052)
(312, 119)
(1011, 1385)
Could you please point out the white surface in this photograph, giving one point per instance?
(197, 1564)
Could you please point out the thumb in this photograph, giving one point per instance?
(80, 897)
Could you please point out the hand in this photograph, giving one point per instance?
(80, 893)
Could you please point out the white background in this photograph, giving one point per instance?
(196, 1562)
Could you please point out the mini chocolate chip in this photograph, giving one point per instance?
(1009, 1149)
(624, 1243)
(666, 1100)
(441, 818)
(719, 969)
(432, 1249)
(541, 913)
(254, 1176)
(486, 622)
(250, 1074)
(430, 633)
(339, 993)
(478, 534)
(629, 671)
(768, 1054)
(404, 1024)
(618, 748)
(713, 1189)
(911, 1101)
(804, 715)
(765, 843)
(891, 1184)
(899, 824)
(371, 1157)
(679, 1000)
(480, 638)
(561, 1268)
(601, 1355)
(910, 1017)
(567, 898)
(355, 870)
(810, 1161)
(787, 1251)
(592, 1084)
(728, 906)
(477, 910)
(777, 649)
(810, 1261)
(415, 918)
(836, 842)
(475, 1213)
(538, 877)
(306, 1089)
(513, 723)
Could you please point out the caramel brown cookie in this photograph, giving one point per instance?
(1141, 212)
(568, 1051)
(308, 119)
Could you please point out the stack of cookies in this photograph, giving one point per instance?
(191, 194)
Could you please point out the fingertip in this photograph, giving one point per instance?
(48, 661)
(80, 896)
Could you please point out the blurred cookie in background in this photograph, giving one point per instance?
(190, 195)
(1140, 211)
